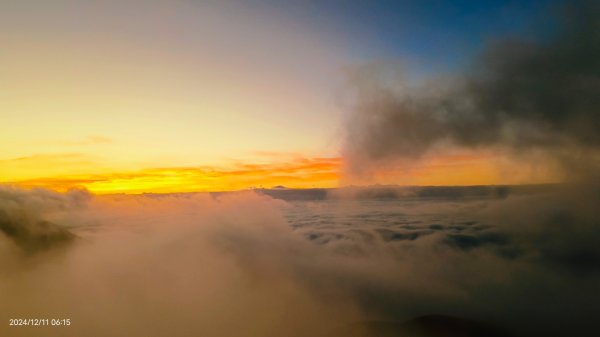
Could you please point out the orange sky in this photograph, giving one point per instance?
(188, 96)
(299, 173)
(295, 172)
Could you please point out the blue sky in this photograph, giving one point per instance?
(212, 83)
(433, 34)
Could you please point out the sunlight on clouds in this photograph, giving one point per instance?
(468, 168)
(302, 173)
(299, 172)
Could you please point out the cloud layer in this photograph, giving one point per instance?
(249, 265)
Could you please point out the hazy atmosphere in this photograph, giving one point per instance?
(300, 168)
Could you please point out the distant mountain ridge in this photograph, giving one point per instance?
(393, 192)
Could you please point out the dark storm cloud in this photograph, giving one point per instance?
(520, 94)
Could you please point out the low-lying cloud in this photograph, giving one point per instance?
(245, 264)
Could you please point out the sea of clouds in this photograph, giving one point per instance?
(246, 264)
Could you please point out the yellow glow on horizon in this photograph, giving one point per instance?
(473, 169)
(188, 96)
(177, 86)
(301, 173)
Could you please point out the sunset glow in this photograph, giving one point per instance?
(299, 168)
(93, 99)
(295, 173)
(302, 173)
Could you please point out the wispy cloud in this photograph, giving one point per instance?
(64, 171)
(300, 173)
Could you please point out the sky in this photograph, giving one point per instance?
(156, 96)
